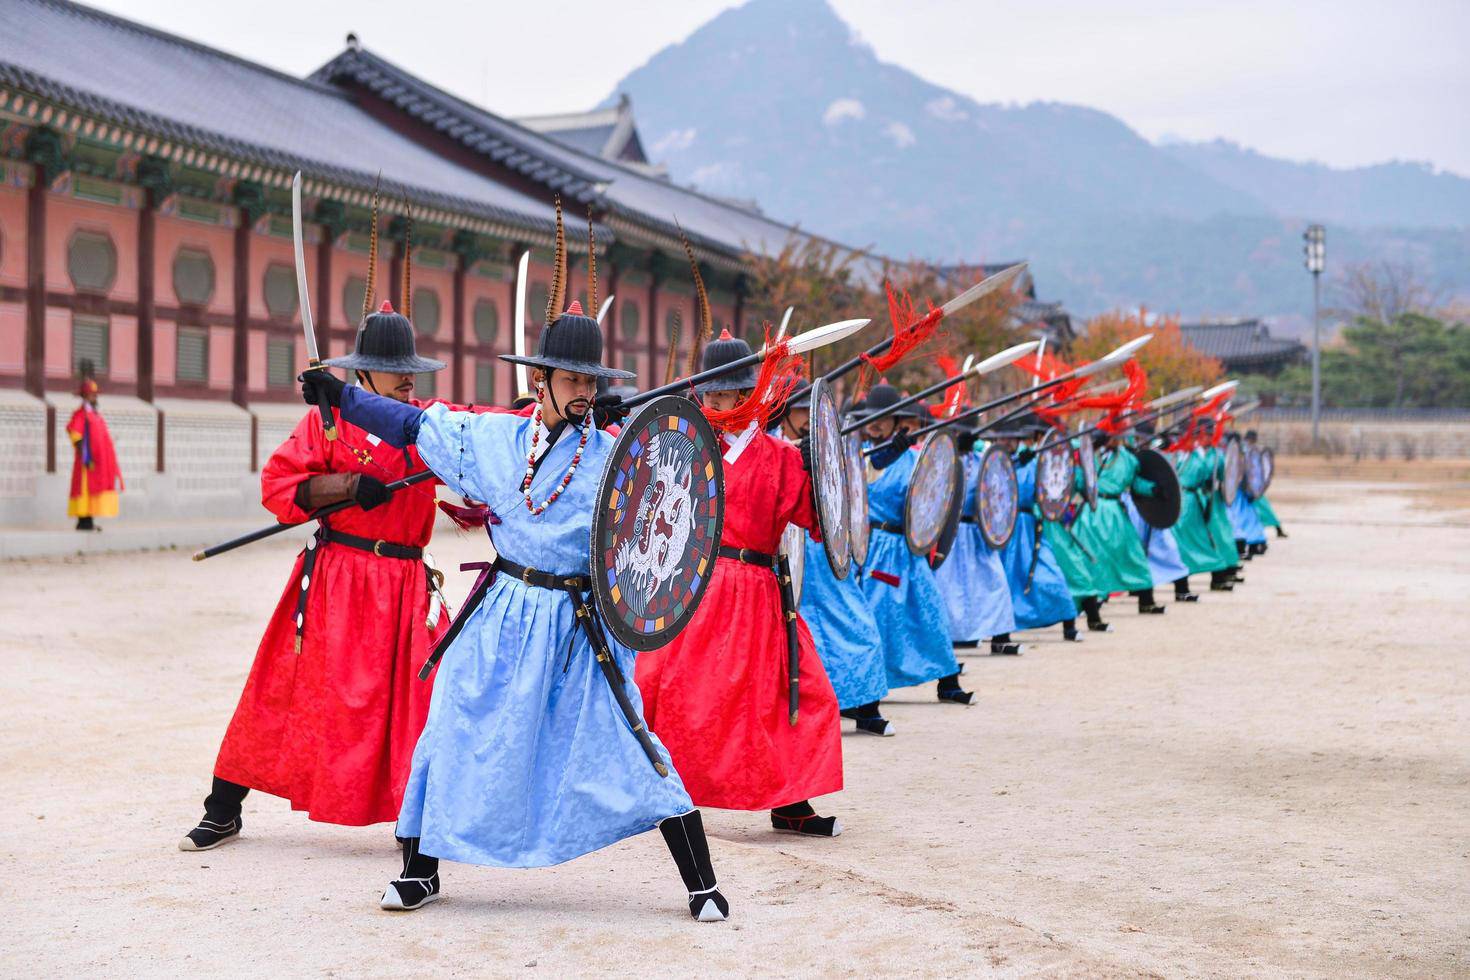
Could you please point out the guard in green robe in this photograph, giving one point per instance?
(1206, 540)
(1075, 561)
(1108, 534)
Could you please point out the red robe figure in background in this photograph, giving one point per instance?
(95, 478)
(333, 705)
(718, 694)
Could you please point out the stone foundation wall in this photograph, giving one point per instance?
(1368, 436)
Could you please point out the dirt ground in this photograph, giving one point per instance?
(1272, 782)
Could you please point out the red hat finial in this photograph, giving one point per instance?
(725, 335)
(575, 309)
(387, 307)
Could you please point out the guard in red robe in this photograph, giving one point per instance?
(333, 706)
(718, 695)
(95, 478)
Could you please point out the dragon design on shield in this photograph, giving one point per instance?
(663, 521)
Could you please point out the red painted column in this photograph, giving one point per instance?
(147, 239)
(610, 329)
(456, 344)
(653, 362)
(321, 297)
(35, 358)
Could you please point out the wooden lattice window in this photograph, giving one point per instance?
(630, 320)
(426, 385)
(352, 293)
(192, 354)
(280, 363)
(485, 383)
(91, 261)
(426, 311)
(487, 321)
(280, 291)
(193, 276)
(90, 343)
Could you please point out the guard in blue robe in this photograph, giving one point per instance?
(1250, 533)
(1040, 594)
(972, 580)
(528, 758)
(1164, 563)
(899, 585)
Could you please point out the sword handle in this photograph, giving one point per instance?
(329, 421)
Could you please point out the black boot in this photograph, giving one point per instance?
(1001, 643)
(221, 822)
(1241, 550)
(685, 836)
(965, 644)
(1220, 582)
(1181, 591)
(800, 818)
(417, 885)
(1280, 531)
(1234, 573)
(1093, 609)
(869, 719)
(85, 524)
(1069, 631)
(1257, 549)
(950, 690)
(1146, 604)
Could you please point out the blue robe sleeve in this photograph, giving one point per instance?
(446, 443)
(393, 421)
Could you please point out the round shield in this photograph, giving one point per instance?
(857, 499)
(793, 546)
(996, 497)
(1234, 470)
(1087, 459)
(931, 492)
(829, 478)
(656, 526)
(1268, 463)
(1054, 481)
(1161, 508)
(1255, 472)
(945, 544)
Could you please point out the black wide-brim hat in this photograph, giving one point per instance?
(726, 349)
(385, 343)
(573, 342)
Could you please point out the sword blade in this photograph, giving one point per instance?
(298, 236)
(520, 320)
(602, 312)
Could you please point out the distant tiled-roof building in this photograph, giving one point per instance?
(1243, 345)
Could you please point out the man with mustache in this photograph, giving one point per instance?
(527, 758)
(331, 710)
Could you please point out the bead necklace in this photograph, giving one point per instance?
(531, 464)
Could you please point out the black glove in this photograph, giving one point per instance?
(967, 441)
(371, 492)
(1025, 456)
(608, 410)
(1100, 440)
(902, 439)
(805, 445)
(318, 382)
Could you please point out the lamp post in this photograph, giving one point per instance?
(1316, 255)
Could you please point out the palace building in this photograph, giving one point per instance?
(145, 228)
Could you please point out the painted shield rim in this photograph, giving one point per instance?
(1234, 470)
(1255, 472)
(667, 406)
(991, 535)
(944, 547)
(832, 515)
(1058, 507)
(1159, 469)
(1087, 459)
(858, 528)
(920, 546)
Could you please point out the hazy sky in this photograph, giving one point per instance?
(1346, 82)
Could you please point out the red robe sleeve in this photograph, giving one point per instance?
(303, 455)
(796, 489)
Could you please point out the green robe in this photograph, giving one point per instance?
(1107, 532)
(1265, 513)
(1196, 547)
(1071, 559)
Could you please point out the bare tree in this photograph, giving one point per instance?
(1383, 291)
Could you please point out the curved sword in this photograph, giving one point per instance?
(313, 358)
(520, 321)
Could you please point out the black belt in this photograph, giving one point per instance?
(971, 519)
(782, 567)
(885, 526)
(326, 535)
(748, 556)
(1111, 496)
(576, 586)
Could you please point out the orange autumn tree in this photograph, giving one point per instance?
(1170, 362)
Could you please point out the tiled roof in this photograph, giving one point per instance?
(645, 204)
(131, 75)
(1241, 343)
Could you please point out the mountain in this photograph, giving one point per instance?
(779, 101)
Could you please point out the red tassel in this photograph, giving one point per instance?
(909, 329)
(954, 397)
(780, 373)
(469, 518)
